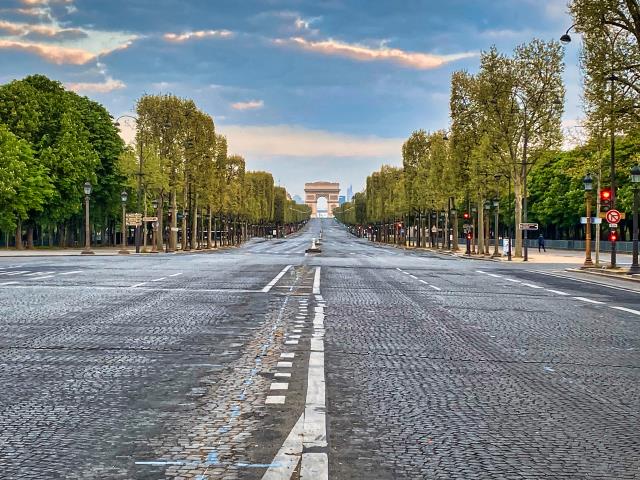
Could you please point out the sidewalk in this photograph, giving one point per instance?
(97, 252)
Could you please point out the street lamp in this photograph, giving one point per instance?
(154, 229)
(635, 180)
(123, 198)
(588, 186)
(486, 223)
(496, 204)
(87, 230)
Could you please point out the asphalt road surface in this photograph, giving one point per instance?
(361, 362)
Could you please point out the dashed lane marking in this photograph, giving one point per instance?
(9, 283)
(138, 284)
(557, 292)
(512, 280)
(175, 274)
(435, 288)
(588, 300)
(531, 285)
(270, 285)
(159, 279)
(628, 310)
(316, 282)
(279, 386)
(71, 273)
(41, 278)
(589, 282)
(275, 399)
(38, 273)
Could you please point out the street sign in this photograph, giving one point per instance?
(528, 226)
(613, 225)
(613, 216)
(594, 220)
(604, 215)
(150, 219)
(133, 219)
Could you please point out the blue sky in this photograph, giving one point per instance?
(306, 89)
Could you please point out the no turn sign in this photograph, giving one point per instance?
(613, 216)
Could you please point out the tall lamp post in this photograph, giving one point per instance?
(123, 229)
(154, 229)
(565, 39)
(496, 204)
(87, 229)
(635, 179)
(588, 186)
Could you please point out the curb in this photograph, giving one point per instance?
(596, 273)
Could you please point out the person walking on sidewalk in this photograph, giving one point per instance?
(541, 244)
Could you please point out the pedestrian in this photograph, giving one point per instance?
(541, 243)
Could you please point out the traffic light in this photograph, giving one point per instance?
(466, 215)
(613, 236)
(605, 199)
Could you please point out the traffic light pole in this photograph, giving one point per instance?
(613, 171)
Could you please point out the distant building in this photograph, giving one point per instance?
(349, 193)
(297, 199)
(341, 199)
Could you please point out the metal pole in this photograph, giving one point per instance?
(524, 213)
(587, 261)
(138, 207)
(510, 220)
(635, 268)
(613, 169)
(87, 229)
(123, 229)
(495, 233)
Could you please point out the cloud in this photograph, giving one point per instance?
(44, 2)
(106, 86)
(200, 34)
(250, 105)
(48, 32)
(52, 53)
(419, 61)
(288, 141)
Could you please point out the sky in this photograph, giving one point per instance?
(308, 90)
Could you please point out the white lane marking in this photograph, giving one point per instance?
(435, 288)
(9, 283)
(512, 280)
(40, 278)
(159, 279)
(287, 355)
(588, 300)
(480, 271)
(316, 282)
(291, 342)
(15, 273)
(284, 364)
(175, 274)
(38, 273)
(287, 458)
(282, 375)
(531, 285)
(414, 277)
(424, 281)
(589, 282)
(279, 386)
(628, 310)
(556, 291)
(275, 400)
(71, 273)
(315, 466)
(399, 269)
(494, 275)
(270, 285)
(138, 284)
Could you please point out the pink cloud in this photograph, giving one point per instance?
(22, 29)
(57, 54)
(200, 34)
(107, 86)
(250, 105)
(419, 61)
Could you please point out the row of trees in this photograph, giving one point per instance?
(52, 141)
(505, 138)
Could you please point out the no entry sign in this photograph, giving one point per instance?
(613, 216)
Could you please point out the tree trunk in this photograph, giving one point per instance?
(209, 244)
(517, 189)
(480, 227)
(173, 237)
(30, 237)
(19, 244)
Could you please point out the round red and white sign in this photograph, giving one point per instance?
(613, 216)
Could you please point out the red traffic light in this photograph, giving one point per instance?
(613, 237)
(605, 194)
(468, 236)
(465, 215)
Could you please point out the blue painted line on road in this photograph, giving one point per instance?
(212, 458)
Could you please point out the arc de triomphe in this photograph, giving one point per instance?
(315, 190)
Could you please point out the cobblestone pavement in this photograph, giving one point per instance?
(455, 369)
(195, 365)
